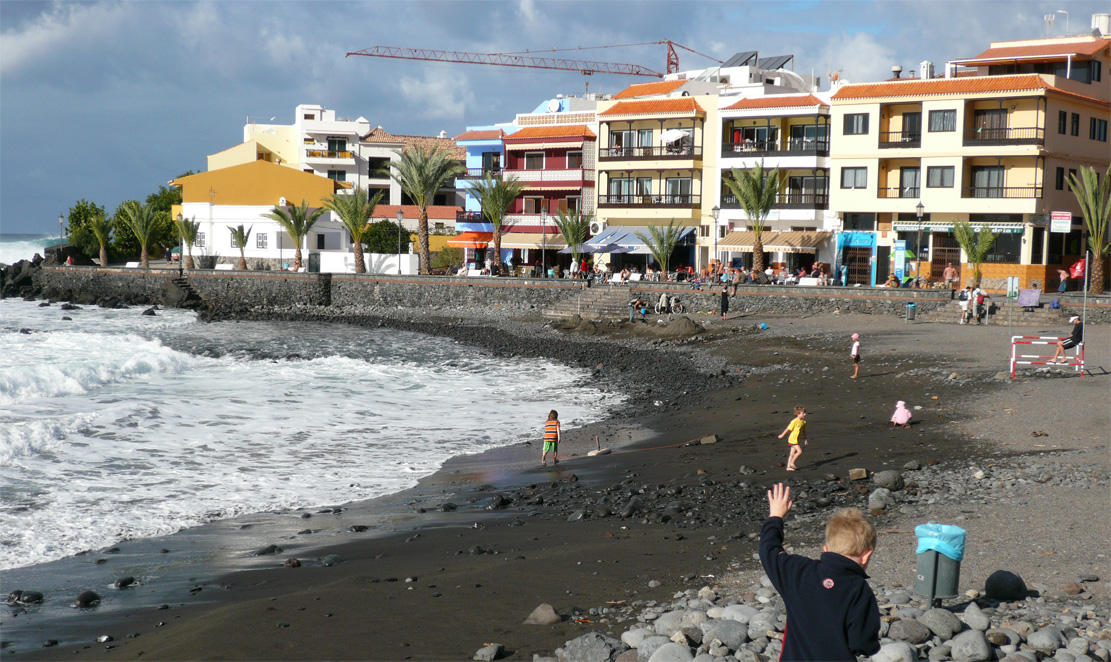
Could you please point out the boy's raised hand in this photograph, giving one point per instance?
(779, 500)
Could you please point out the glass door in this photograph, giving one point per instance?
(987, 181)
(990, 124)
(679, 190)
(912, 127)
(909, 181)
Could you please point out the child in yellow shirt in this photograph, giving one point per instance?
(797, 428)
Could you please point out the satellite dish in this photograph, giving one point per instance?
(554, 106)
(282, 202)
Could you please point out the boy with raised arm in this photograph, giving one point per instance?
(832, 613)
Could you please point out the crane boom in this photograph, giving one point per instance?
(584, 67)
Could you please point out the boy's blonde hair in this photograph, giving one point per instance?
(799, 409)
(848, 533)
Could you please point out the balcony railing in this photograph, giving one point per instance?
(649, 153)
(480, 173)
(897, 139)
(1015, 136)
(660, 201)
(897, 192)
(568, 175)
(1010, 192)
(329, 154)
(470, 217)
(789, 200)
(793, 146)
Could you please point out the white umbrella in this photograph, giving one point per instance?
(671, 135)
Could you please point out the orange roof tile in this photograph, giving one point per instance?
(1033, 51)
(481, 134)
(918, 87)
(553, 131)
(785, 101)
(411, 211)
(380, 135)
(654, 107)
(649, 89)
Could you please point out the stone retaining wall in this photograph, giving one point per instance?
(88, 285)
(234, 291)
(440, 292)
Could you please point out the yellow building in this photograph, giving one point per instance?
(991, 143)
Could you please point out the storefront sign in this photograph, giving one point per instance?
(900, 258)
(1060, 221)
(998, 228)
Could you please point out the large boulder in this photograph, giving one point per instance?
(896, 651)
(890, 479)
(668, 622)
(672, 652)
(545, 614)
(941, 622)
(591, 647)
(649, 645)
(1047, 639)
(632, 638)
(730, 633)
(739, 613)
(970, 646)
(762, 623)
(909, 630)
(1005, 585)
(976, 618)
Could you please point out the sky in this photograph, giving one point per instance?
(106, 101)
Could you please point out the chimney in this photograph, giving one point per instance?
(443, 134)
(896, 71)
(926, 70)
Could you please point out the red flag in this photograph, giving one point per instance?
(1077, 270)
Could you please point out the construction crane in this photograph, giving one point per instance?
(528, 60)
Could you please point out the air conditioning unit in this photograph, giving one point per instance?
(597, 227)
(282, 202)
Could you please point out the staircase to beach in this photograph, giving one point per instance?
(1003, 312)
(596, 303)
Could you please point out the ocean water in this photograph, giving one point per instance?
(16, 247)
(115, 425)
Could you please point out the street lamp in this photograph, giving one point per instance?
(715, 212)
(61, 223)
(181, 255)
(544, 242)
(400, 217)
(918, 210)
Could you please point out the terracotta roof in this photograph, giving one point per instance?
(410, 211)
(655, 106)
(484, 134)
(785, 101)
(556, 131)
(938, 86)
(380, 135)
(1054, 50)
(649, 89)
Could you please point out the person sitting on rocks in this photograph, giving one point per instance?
(892, 281)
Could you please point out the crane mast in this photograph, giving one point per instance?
(585, 67)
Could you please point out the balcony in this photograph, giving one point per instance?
(572, 175)
(480, 173)
(790, 200)
(900, 139)
(897, 192)
(792, 147)
(649, 153)
(1007, 192)
(329, 155)
(996, 137)
(470, 217)
(677, 201)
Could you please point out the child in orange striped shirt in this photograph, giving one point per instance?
(551, 438)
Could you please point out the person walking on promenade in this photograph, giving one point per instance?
(724, 300)
(832, 613)
(797, 429)
(1074, 339)
(552, 435)
(950, 276)
(963, 299)
(979, 298)
(1063, 276)
(855, 354)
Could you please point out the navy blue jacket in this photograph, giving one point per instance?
(831, 611)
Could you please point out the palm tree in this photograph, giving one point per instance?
(144, 223)
(187, 230)
(101, 226)
(661, 242)
(296, 221)
(1095, 206)
(976, 243)
(574, 227)
(354, 212)
(495, 196)
(240, 237)
(756, 190)
(421, 172)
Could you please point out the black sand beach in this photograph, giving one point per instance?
(438, 584)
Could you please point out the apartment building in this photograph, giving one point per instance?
(991, 142)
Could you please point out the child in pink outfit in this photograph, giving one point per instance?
(902, 415)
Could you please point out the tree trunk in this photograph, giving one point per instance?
(144, 258)
(422, 233)
(360, 265)
(242, 266)
(758, 254)
(297, 258)
(103, 255)
(189, 260)
(1096, 275)
(976, 275)
(497, 247)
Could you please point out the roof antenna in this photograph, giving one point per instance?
(1049, 20)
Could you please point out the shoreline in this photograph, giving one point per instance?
(677, 418)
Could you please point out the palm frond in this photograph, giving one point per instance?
(574, 227)
(661, 241)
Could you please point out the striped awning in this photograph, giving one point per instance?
(774, 242)
(532, 240)
(471, 240)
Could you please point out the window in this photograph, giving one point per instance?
(491, 162)
(1096, 71)
(572, 204)
(439, 227)
(534, 160)
(621, 139)
(574, 160)
(233, 244)
(337, 144)
(260, 240)
(939, 177)
(1060, 179)
(644, 138)
(533, 205)
(854, 177)
(1062, 122)
(310, 116)
(856, 124)
(620, 190)
(987, 181)
(860, 222)
(199, 243)
(320, 243)
(1072, 174)
(1075, 124)
(337, 175)
(678, 190)
(943, 120)
(644, 186)
(309, 141)
(1098, 130)
(377, 167)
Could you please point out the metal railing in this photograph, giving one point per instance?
(899, 192)
(480, 173)
(802, 146)
(1009, 136)
(1013, 192)
(551, 175)
(641, 153)
(677, 200)
(896, 139)
(788, 200)
(329, 154)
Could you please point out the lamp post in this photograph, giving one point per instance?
(181, 255)
(61, 224)
(544, 242)
(918, 210)
(400, 217)
(715, 212)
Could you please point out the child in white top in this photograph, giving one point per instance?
(856, 355)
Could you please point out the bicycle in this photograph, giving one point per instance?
(669, 305)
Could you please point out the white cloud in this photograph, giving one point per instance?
(64, 28)
(440, 94)
(860, 57)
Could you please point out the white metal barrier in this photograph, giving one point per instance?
(1077, 360)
